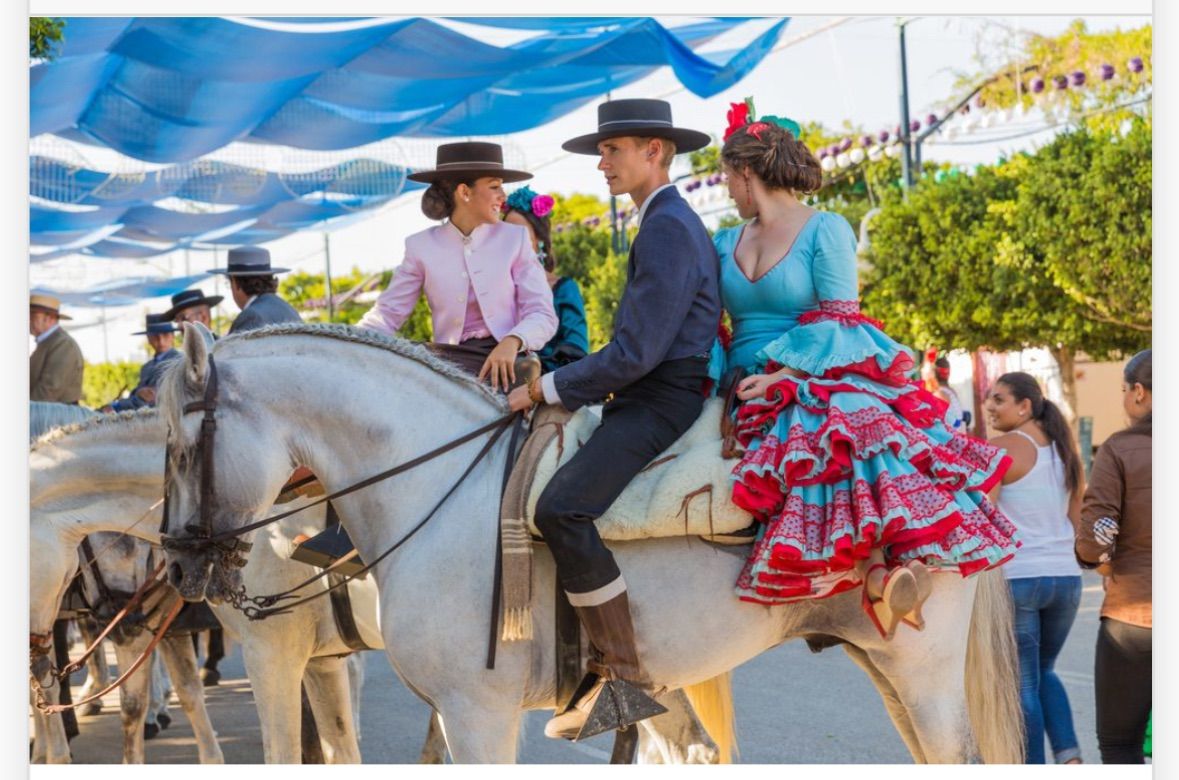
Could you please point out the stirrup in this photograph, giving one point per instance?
(924, 579)
(618, 705)
(880, 610)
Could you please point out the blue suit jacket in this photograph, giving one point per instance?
(267, 309)
(670, 307)
(150, 374)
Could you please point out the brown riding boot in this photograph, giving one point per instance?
(609, 697)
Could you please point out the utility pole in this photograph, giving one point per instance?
(906, 148)
(327, 262)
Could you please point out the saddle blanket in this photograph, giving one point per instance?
(686, 491)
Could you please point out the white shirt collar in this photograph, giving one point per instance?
(249, 300)
(47, 333)
(651, 197)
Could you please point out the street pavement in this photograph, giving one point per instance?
(792, 706)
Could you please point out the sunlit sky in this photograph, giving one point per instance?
(826, 68)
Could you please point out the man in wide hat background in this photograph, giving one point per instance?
(193, 306)
(655, 366)
(254, 285)
(55, 367)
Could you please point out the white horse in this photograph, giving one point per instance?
(107, 474)
(348, 404)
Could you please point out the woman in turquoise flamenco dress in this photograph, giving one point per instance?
(846, 462)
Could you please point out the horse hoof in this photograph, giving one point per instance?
(150, 730)
(210, 677)
(93, 708)
(164, 719)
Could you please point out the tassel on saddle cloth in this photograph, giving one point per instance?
(683, 492)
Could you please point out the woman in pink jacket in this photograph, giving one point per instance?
(488, 295)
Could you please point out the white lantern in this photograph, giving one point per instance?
(843, 160)
(874, 153)
(952, 132)
(857, 155)
(894, 150)
(828, 164)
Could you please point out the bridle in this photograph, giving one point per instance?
(201, 537)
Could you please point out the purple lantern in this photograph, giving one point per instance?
(931, 120)
(966, 108)
(1107, 72)
(1135, 65)
(1060, 81)
(845, 144)
(823, 154)
(914, 125)
(883, 136)
(980, 102)
(1077, 77)
(1037, 85)
(865, 141)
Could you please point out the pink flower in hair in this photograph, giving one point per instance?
(542, 205)
(756, 128)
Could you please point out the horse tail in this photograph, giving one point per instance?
(992, 673)
(712, 701)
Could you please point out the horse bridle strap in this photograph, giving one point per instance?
(209, 426)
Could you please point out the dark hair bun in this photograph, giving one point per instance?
(438, 200)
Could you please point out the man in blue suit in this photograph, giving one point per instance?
(160, 334)
(654, 368)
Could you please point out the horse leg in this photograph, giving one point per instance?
(275, 670)
(355, 686)
(50, 745)
(182, 665)
(326, 682)
(480, 732)
(161, 692)
(98, 674)
(927, 671)
(434, 749)
(133, 696)
(676, 736)
(892, 702)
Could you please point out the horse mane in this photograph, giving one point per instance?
(174, 386)
(56, 434)
(44, 415)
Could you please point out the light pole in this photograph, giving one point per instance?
(906, 148)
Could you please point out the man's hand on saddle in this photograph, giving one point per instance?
(501, 363)
(755, 386)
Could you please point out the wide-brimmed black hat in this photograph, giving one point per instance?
(157, 323)
(637, 117)
(469, 159)
(187, 298)
(248, 261)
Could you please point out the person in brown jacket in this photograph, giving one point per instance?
(55, 367)
(1115, 536)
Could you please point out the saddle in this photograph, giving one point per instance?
(683, 492)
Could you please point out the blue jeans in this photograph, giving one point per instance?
(1044, 611)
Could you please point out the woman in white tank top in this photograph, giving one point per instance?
(1041, 493)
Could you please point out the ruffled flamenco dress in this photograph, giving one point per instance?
(853, 455)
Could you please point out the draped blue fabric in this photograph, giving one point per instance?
(126, 291)
(169, 89)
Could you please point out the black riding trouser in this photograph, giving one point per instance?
(1122, 672)
(640, 422)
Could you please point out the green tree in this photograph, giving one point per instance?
(104, 382)
(307, 293)
(1050, 57)
(951, 266)
(602, 294)
(45, 33)
(1084, 204)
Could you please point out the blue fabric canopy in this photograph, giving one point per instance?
(169, 89)
(124, 292)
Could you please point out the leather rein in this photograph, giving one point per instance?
(202, 537)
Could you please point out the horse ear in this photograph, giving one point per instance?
(196, 352)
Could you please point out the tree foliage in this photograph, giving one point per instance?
(45, 33)
(104, 382)
(302, 290)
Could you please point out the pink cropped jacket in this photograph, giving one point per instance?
(496, 260)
